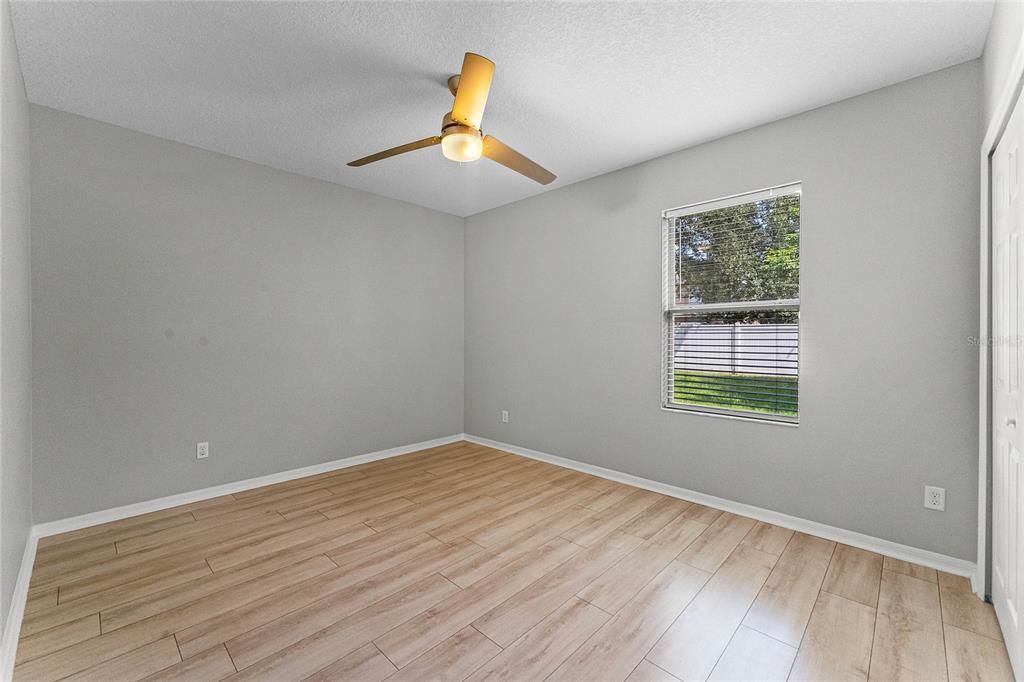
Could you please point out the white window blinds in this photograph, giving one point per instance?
(732, 305)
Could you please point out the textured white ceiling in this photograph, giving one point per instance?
(583, 88)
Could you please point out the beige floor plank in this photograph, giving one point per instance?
(374, 490)
(522, 489)
(171, 556)
(283, 501)
(752, 655)
(491, 476)
(379, 575)
(467, 466)
(492, 485)
(654, 518)
(365, 664)
(523, 474)
(96, 650)
(577, 479)
(545, 646)
(616, 586)
(181, 531)
(560, 478)
(121, 528)
(908, 643)
(609, 497)
(40, 601)
(209, 666)
(962, 608)
(691, 647)
(338, 550)
(303, 622)
(56, 638)
(618, 647)
(855, 574)
(702, 514)
(481, 485)
(119, 535)
(305, 511)
(513, 617)
(340, 504)
(715, 544)
(648, 672)
(483, 564)
(133, 665)
(973, 657)
(603, 522)
(419, 634)
(420, 520)
(825, 656)
(768, 538)
(431, 511)
(110, 580)
(337, 477)
(291, 508)
(452, 660)
(597, 483)
(514, 525)
(69, 561)
(784, 605)
(315, 652)
(334, 528)
(344, 553)
(466, 527)
(408, 466)
(907, 568)
(100, 601)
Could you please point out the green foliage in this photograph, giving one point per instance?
(749, 252)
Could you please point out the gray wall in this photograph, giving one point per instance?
(180, 295)
(563, 317)
(15, 330)
(1004, 39)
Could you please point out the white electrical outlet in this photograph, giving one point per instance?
(504, 416)
(934, 498)
(202, 450)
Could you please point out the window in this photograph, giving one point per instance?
(732, 305)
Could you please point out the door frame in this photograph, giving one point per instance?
(1010, 92)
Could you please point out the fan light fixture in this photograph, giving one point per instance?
(460, 138)
(462, 144)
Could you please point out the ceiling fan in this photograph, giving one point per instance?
(460, 138)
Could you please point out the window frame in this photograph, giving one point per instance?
(670, 309)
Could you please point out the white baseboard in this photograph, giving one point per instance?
(848, 537)
(116, 513)
(12, 626)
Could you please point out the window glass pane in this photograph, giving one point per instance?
(736, 361)
(746, 252)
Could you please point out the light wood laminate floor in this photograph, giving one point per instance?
(464, 562)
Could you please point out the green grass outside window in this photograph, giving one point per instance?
(763, 393)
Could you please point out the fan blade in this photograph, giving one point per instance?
(474, 86)
(395, 151)
(496, 150)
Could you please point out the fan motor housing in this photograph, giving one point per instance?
(449, 126)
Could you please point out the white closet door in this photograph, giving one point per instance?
(1007, 362)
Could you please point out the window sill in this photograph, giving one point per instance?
(735, 417)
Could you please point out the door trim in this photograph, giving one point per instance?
(1009, 94)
